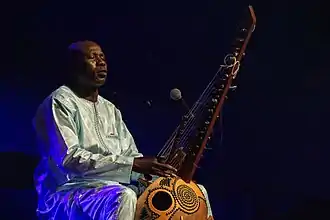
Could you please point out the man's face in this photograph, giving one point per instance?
(94, 69)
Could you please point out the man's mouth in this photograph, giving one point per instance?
(101, 74)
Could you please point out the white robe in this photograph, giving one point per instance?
(87, 158)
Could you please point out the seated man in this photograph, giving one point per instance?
(88, 154)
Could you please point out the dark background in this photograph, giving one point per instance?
(273, 163)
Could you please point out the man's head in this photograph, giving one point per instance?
(87, 64)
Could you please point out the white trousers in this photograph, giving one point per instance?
(111, 202)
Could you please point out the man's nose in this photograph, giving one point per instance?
(100, 62)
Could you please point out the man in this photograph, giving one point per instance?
(88, 155)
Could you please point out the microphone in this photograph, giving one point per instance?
(148, 103)
(176, 95)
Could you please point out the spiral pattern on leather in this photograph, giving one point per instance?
(187, 198)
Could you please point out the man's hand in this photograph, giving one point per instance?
(150, 165)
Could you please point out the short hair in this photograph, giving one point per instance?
(81, 45)
(76, 51)
(74, 56)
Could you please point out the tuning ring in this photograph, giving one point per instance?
(229, 59)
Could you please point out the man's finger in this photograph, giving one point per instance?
(160, 172)
(172, 174)
(164, 166)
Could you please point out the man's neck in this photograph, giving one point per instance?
(89, 94)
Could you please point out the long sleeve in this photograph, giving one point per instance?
(127, 139)
(57, 127)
